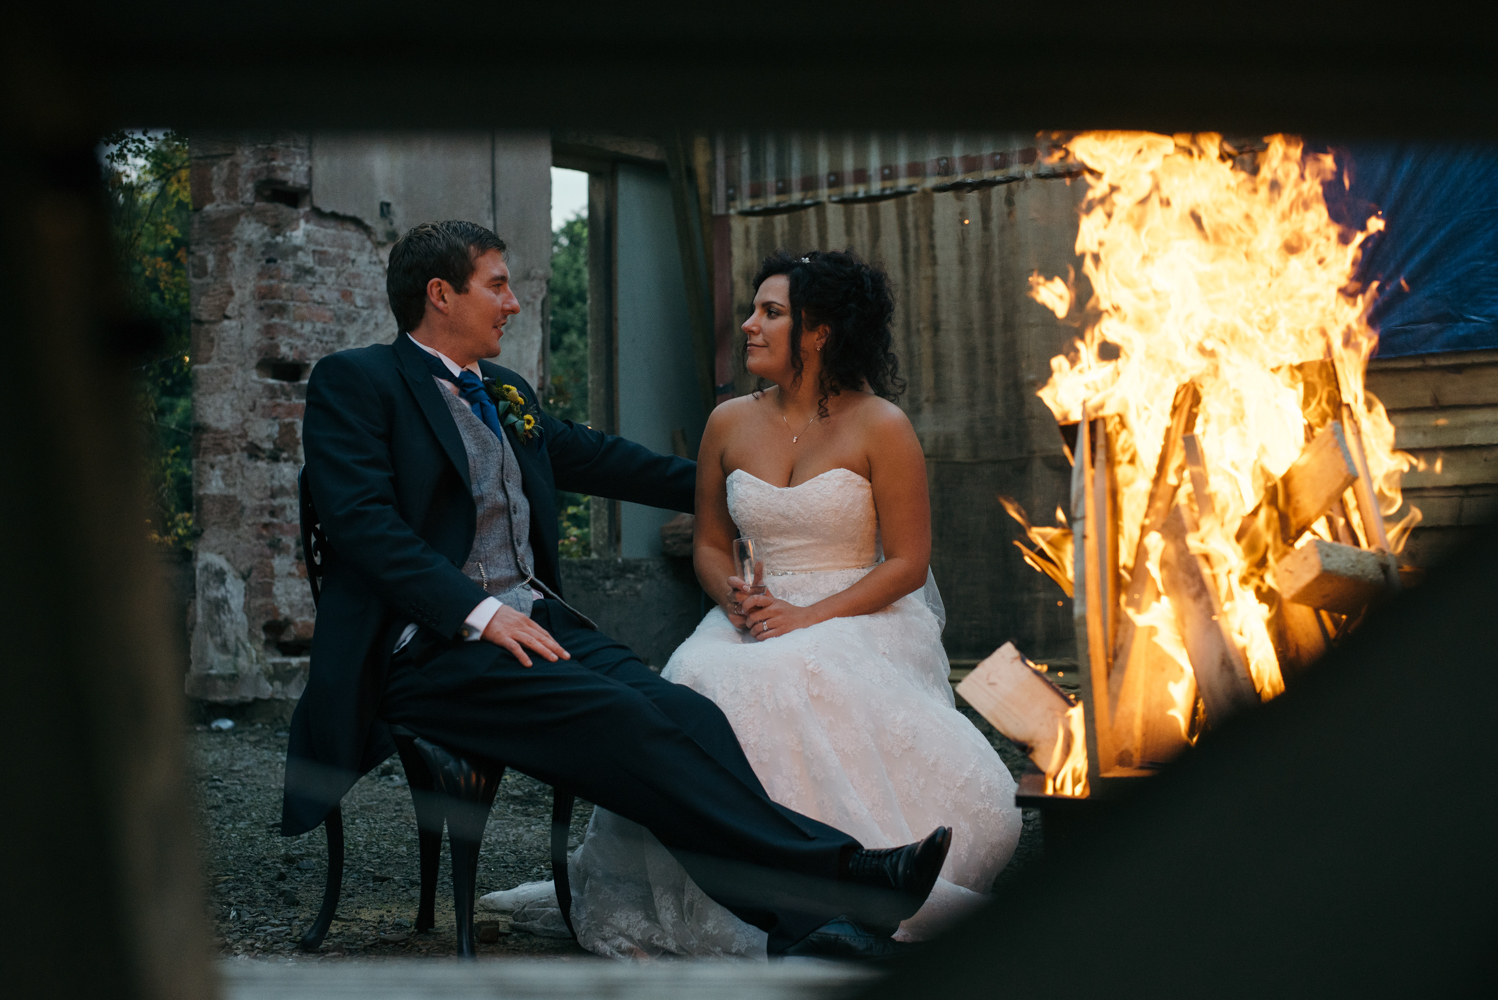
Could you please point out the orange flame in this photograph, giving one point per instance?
(1202, 270)
(1066, 773)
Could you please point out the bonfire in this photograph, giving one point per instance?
(1231, 475)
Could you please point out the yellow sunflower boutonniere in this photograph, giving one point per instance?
(511, 405)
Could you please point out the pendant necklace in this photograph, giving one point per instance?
(796, 437)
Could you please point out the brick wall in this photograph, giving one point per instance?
(276, 285)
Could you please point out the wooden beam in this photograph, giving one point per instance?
(1368, 513)
(1463, 427)
(1451, 467)
(1106, 537)
(1221, 672)
(1309, 488)
(1163, 488)
(1196, 465)
(1455, 506)
(1142, 731)
(1092, 653)
(1316, 479)
(1021, 703)
(1298, 635)
(1442, 383)
(1340, 578)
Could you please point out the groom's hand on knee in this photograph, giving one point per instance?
(517, 633)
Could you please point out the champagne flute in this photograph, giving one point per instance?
(747, 556)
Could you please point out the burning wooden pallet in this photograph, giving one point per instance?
(1139, 708)
(1316, 588)
(1202, 583)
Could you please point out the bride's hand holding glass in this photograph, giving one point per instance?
(767, 616)
(752, 567)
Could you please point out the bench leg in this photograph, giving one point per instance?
(312, 940)
(465, 854)
(468, 789)
(429, 820)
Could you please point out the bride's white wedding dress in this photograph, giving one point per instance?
(850, 721)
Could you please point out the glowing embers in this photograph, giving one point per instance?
(1230, 473)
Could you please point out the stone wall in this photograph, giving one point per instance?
(290, 237)
(276, 285)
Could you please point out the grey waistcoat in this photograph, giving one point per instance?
(502, 560)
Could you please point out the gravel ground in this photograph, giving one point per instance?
(265, 889)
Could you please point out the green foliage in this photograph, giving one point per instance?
(567, 387)
(147, 178)
(577, 521)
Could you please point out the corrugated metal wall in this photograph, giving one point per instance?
(960, 229)
(974, 349)
(765, 172)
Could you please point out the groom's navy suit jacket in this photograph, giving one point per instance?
(389, 477)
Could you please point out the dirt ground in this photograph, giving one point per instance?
(264, 890)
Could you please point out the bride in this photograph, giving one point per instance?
(834, 678)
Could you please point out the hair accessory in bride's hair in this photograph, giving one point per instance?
(806, 260)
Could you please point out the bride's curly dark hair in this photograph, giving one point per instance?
(854, 300)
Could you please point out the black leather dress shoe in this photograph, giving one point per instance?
(842, 938)
(909, 871)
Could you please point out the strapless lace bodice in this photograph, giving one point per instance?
(826, 523)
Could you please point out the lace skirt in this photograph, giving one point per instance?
(851, 722)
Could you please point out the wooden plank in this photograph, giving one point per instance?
(1446, 359)
(1091, 648)
(1020, 702)
(1454, 507)
(1454, 467)
(1222, 674)
(1163, 487)
(1196, 465)
(1422, 387)
(1455, 427)
(1340, 578)
(1144, 731)
(1141, 730)
(1310, 488)
(1374, 535)
(1316, 479)
(1106, 506)
(1298, 636)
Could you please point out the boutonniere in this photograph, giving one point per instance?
(512, 409)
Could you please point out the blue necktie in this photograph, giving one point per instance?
(471, 388)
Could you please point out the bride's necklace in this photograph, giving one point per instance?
(797, 436)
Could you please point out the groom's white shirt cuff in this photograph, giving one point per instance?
(478, 618)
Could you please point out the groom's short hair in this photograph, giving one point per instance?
(443, 250)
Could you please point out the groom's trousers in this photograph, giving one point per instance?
(609, 729)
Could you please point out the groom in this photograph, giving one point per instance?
(434, 473)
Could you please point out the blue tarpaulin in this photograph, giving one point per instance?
(1436, 262)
